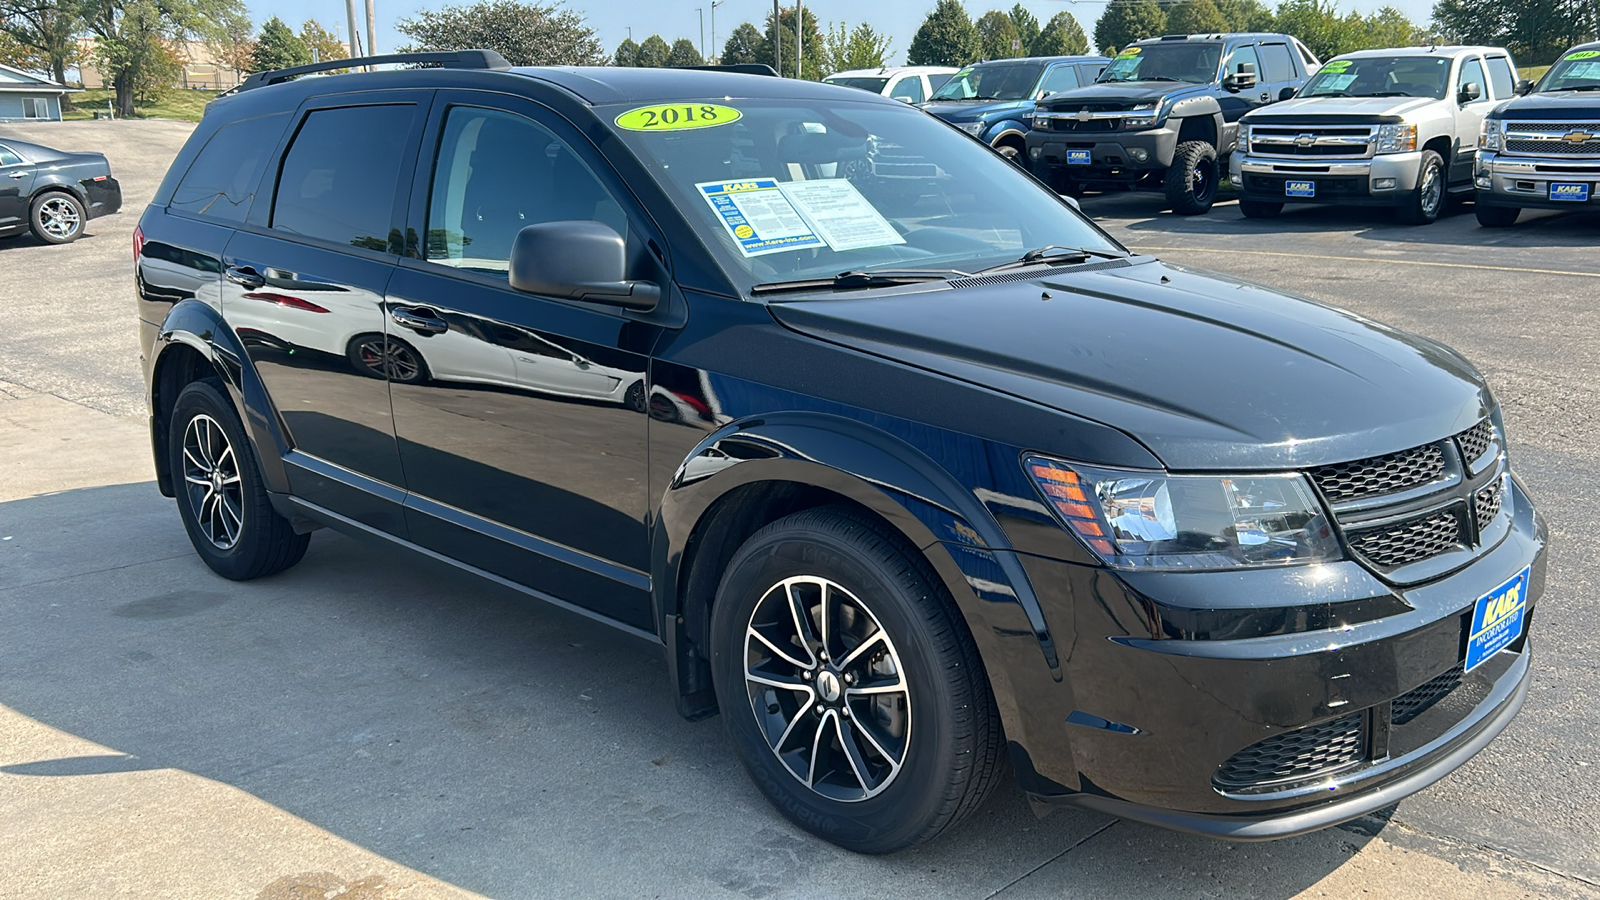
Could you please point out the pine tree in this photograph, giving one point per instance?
(1027, 28)
(1196, 17)
(744, 46)
(653, 52)
(277, 47)
(627, 53)
(1062, 36)
(997, 36)
(946, 38)
(684, 53)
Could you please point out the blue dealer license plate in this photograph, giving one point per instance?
(1078, 157)
(1299, 188)
(1497, 620)
(1575, 193)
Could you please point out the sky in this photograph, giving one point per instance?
(673, 19)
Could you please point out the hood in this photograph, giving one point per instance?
(970, 110)
(1301, 108)
(1551, 105)
(1130, 92)
(1207, 372)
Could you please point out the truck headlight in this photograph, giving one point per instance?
(972, 128)
(1490, 138)
(1397, 138)
(1142, 116)
(1135, 519)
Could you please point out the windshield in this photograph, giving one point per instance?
(875, 85)
(783, 190)
(1577, 71)
(1174, 61)
(1381, 76)
(1014, 82)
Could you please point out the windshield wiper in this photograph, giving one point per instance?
(1158, 78)
(1049, 254)
(847, 280)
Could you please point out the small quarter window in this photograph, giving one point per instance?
(222, 180)
(9, 157)
(342, 173)
(1275, 63)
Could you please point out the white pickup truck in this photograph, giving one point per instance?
(1396, 128)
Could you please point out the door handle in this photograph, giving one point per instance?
(19, 175)
(1265, 96)
(421, 320)
(245, 277)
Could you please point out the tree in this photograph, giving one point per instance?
(40, 36)
(1123, 23)
(1246, 15)
(859, 48)
(1535, 31)
(946, 38)
(1062, 36)
(525, 33)
(627, 53)
(996, 36)
(1027, 27)
(235, 48)
(815, 49)
(744, 46)
(134, 40)
(683, 53)
(325, 44)
(1318, 24)
(1196, 17)
(1389, 27)
(653, 52)
(278, 48)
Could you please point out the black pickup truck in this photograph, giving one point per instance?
(1163, 114)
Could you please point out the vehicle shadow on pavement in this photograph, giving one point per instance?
(457, 728)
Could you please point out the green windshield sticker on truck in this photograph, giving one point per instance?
(677, 117)
(1584, 54)
(1338, 65)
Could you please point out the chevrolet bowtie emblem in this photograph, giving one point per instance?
(1578, 137)
(1305, 140)
(1083, 115)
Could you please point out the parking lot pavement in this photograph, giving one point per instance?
(372, 723)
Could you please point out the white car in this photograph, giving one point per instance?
(913, 84)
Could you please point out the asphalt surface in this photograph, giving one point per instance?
(373, 725)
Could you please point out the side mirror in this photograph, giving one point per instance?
(1244, 78)
(1524, 87)
(1470, 92)
(578, 260)
(1285, 94)
(905, 100)
(1071, 201)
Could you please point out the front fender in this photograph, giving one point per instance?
(943, 518)
(1003, 129)
(196, 325)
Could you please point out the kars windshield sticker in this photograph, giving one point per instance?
(677, 117)
(758, 216)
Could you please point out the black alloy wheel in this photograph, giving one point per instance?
(1427, 201)
(849, 683)
(636, 399)
(57, 218)
(1191, 180)
(221, 496)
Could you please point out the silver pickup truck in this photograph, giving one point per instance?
(1396, 128)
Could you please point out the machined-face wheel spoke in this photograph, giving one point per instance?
(212, 482)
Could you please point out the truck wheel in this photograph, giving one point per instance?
(1496, 216)
(1260, 209)
(1191, 182)
(1428, 200)
(849, 684)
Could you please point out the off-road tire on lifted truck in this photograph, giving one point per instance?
(1191, 183)
(1260, 209)
(1496, 216)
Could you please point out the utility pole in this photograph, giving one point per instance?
(372, 30)
(714, 5)
(777, 38)
(799, 37)
(702, 11)
(355, 32)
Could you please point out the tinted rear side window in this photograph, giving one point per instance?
(1500, 74)
(1275, 64)
(339, 179)
(222, 180)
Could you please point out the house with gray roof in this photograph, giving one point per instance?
(28, 98)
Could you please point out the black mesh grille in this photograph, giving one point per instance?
(1475, 441)
(1486, 504)
(1553, 148)
(1415, 702)
(1409, 542)
(1381, 474)
(1300, 755)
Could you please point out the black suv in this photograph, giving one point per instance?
(1164, 115)
(905, 465)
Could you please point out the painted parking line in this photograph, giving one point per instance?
(1371, 259)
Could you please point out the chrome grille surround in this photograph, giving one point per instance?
(1552, 138)
(1297, 141)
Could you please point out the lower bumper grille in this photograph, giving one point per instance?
(1300, 755)
(1417, 539)
(1417, 701)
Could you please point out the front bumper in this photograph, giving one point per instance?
(1383, 180)
(1524, 181)
(1113, 155)
(1143, 726)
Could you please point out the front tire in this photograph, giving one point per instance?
(1191, 180)
(57, 218)
(1010, 153)
(221, 496)
(1260, 209)
(1496, 216)
(850, 686)
(1427, 201)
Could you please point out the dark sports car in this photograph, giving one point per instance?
(52, 192)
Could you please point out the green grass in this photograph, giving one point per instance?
(182, 104)
(1532, 73)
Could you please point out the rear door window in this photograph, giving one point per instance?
(908, 88)
(1275, 64)
(340, 177)
(221, 182)
(1501, 77)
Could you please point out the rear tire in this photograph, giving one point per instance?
(1191, 180)
(1427, 201)
(907, 742)
(1496, 216)
(57, 218)
(221, 496)
(1260, 209)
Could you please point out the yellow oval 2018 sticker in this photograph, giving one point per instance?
(677, 117)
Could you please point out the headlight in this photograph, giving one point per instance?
(1142, 520)
(972, 128)
(1397, 138)
(1142, 116)
(1489, 138)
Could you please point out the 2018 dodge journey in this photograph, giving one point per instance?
(906, 465)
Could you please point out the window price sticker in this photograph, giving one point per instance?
(758, 216)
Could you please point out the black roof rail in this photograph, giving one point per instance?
(449, 59)
(740, 68)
